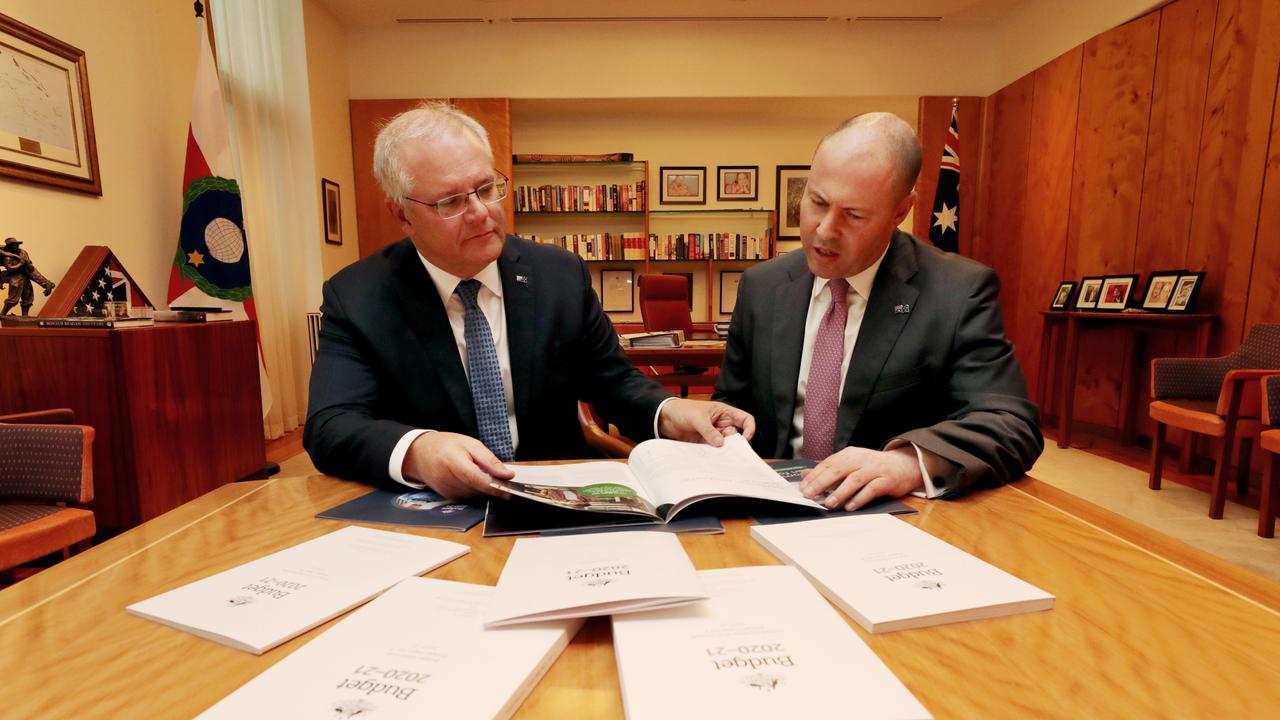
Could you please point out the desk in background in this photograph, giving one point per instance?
(175, 407)
(1165, 631)
(1060, 369)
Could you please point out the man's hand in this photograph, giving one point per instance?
(454, 465)
(703, 421)
(856, 476)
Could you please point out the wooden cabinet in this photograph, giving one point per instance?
(175, 407)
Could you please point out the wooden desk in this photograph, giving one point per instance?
(175, 407)
(1135, 633)
(694, 356)
(1063, 365)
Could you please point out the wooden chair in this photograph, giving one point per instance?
(1218, 397)
(1269, 505)
(593, 429)
(43, 467)
(664, 305)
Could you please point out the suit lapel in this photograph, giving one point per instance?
(519, 298)
(790, 306)
(430, 323)
(882, 324)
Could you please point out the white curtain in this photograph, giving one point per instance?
(261, 49)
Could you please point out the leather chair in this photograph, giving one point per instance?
(1218, 397)
(43, 467)
(664, 305)
(593, 429)
(1269, 505)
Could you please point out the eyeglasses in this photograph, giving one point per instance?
(454, 205)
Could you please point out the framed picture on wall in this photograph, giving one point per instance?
(1160, 289)
(688, 279)
(1185, 292)
(46, 118)
(1115, 292)
(617, 290)
(789, 189)
(1090, 291)
(682, 185)
(729, 280)
(331, 195)
(737, 182)
(1062, 297)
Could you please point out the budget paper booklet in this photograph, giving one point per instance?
(258, 605)
(585, 575)
(417, 651)
(765, 645)
(889, 575)
(661, 478)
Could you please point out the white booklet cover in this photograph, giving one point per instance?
(765, 645)
(417, 651)
(889, 575)
(258, 605)
(586, 575)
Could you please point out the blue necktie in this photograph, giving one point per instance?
(484, 375)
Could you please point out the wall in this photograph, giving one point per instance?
(141, 68)
(330, 124)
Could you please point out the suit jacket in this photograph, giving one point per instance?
(388, 361)
(931, 365)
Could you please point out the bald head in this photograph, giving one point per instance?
(885, 134)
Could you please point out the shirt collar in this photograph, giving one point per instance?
(861, 282)
(447, 282)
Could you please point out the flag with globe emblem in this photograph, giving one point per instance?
(944, 230)
(211, 265)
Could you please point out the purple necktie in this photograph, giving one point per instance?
(822, 393)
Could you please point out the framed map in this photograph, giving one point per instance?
(46, 120)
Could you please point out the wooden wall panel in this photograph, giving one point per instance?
(1043, 232)
(1233, 154)
(934, 118)
(1264, 300)
(1116, 78)
(375, 225)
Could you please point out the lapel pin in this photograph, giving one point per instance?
(902, 309)
(522, 279)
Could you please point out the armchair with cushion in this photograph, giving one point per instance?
(43, 468)
(594, 429)
(664, 305)
(1218, 397)
(1269, 505)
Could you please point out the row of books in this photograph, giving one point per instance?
(144, 317)
(598, 246)
(625, 197)
(683, 246)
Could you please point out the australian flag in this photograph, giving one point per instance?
(944, 230)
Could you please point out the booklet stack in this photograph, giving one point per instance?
(655, 339)
(765, 645)
(418, 651)
(889, 575)
(256, 606)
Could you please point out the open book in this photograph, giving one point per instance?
(662, 478)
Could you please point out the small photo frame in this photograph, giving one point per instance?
(617, 290)
(688, 279)
(737, 182)
(1185, 292)
(790, 189)
(1062, 298)
(331, 196)
(729, 280)
(1160, 289)
(1115, 292)
(1090, 292)
(682, 185)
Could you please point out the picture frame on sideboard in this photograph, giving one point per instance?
(1062, 297)
(1185, 292)
(1115, 293)
(1090, 291)
(1159, 292)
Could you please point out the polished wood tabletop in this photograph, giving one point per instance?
(1143, 627)
(695, 355)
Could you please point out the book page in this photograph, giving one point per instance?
(593, 486)
(679, 472)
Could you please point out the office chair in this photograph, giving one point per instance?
(1269, 506)
(664, 305)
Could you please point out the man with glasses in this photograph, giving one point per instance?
(460, 347)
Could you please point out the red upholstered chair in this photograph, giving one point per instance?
(664, 305)
(1269, 505)
(43, 467)
(1218, 397)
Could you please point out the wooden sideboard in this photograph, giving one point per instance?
(175, 407)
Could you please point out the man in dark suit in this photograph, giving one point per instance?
(871, 352)
(458, 348)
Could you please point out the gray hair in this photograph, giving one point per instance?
(898, 137)
(429, 121)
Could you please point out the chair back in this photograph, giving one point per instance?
(1271, 400)
(46, 462)
(664, 303)
(1260, 349)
